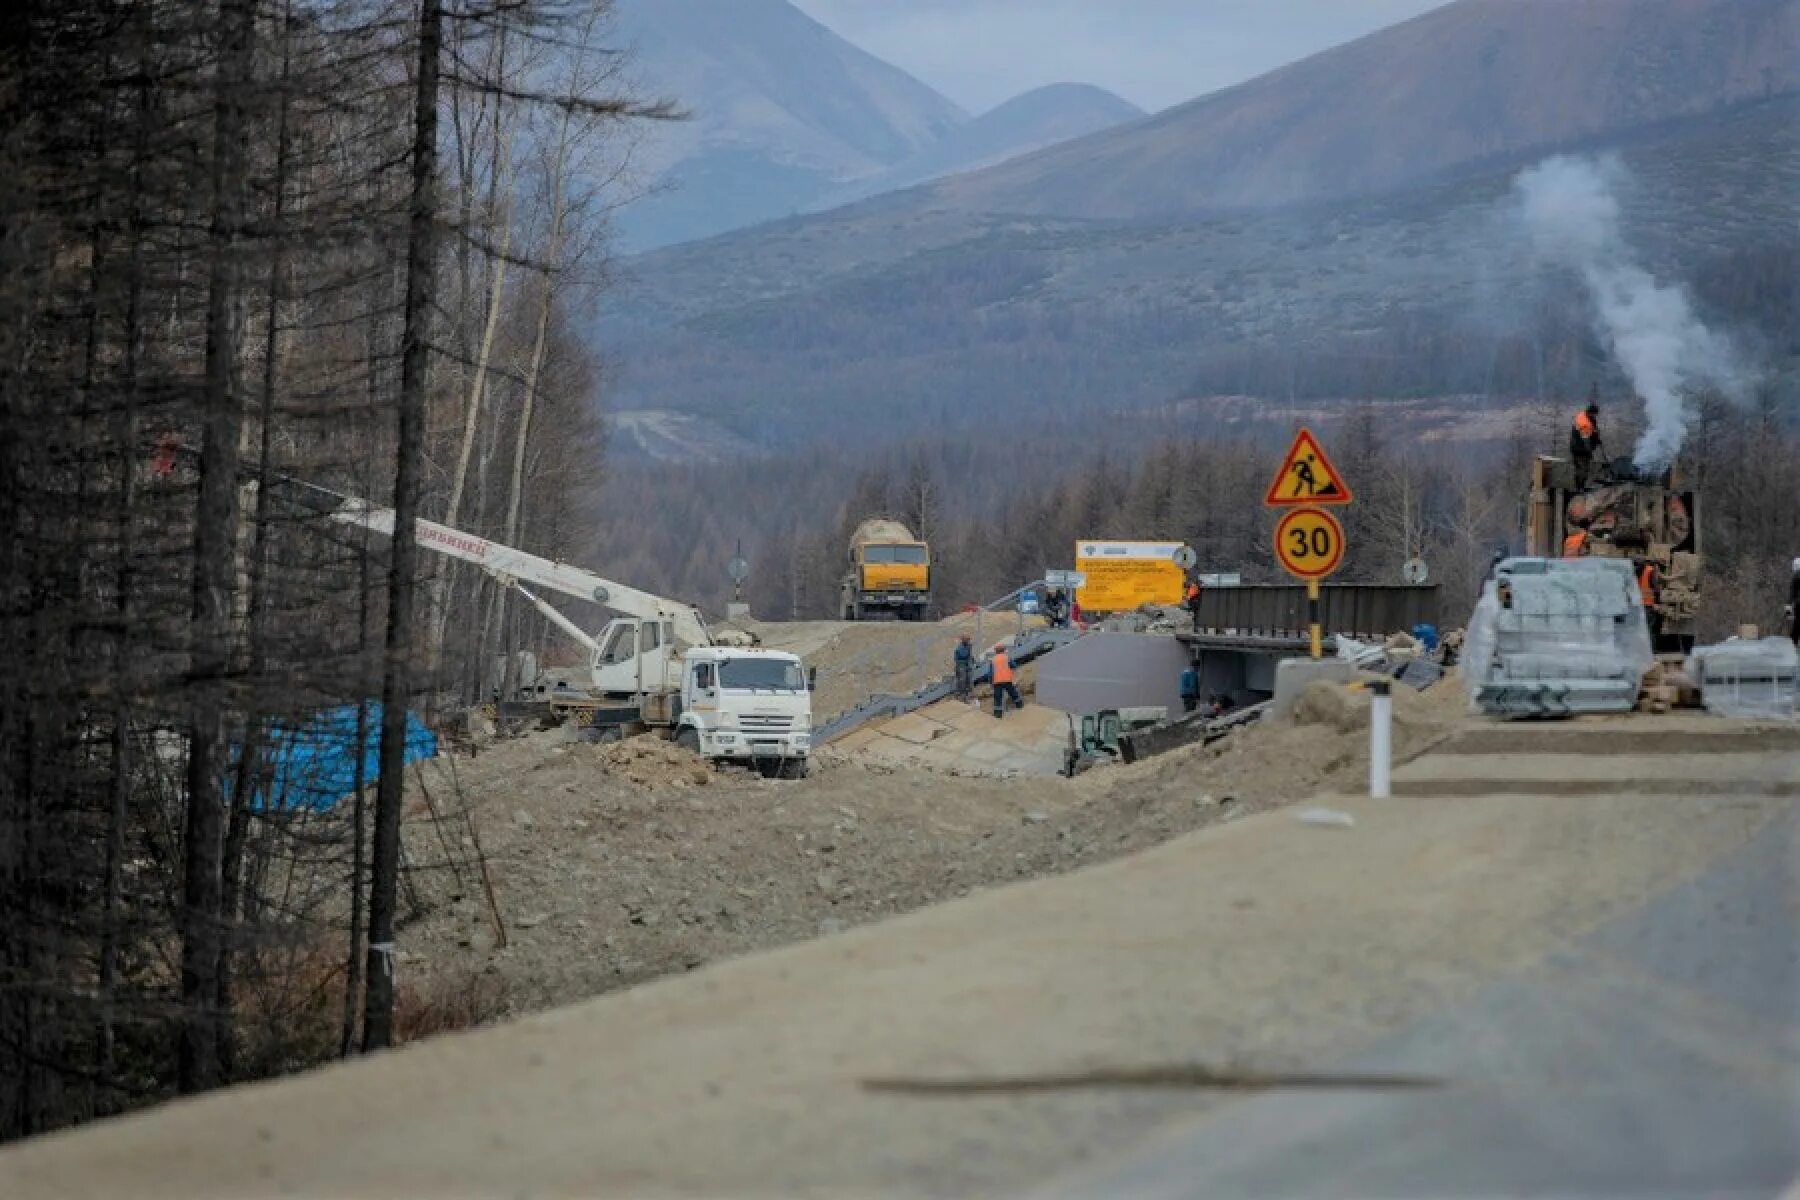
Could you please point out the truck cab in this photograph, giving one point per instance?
(888, 577)
(633, 656)
(747, 706)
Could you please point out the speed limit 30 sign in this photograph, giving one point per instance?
(1309, 543)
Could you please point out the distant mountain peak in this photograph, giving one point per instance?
(1072, 94)
(1043, 116)
(782, 109)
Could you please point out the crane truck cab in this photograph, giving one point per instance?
(748, 706)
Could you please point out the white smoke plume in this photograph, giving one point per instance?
(1570, 209)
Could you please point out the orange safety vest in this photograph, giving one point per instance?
(1574, 544)
(1193, 592)
(1584, 424)
(1647, 585)
(1003, 672)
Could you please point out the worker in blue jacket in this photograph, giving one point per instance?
(964, 661)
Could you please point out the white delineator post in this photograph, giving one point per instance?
(1381, 738)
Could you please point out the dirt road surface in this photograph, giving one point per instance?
(1262, 945)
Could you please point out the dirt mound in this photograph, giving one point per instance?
(648, 761)
(1345, 707)
(613, 864)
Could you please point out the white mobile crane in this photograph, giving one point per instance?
(657, 666)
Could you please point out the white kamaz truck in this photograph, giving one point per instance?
(655, 667)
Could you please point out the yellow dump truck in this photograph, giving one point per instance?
(890, 573)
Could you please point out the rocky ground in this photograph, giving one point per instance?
(614, 864)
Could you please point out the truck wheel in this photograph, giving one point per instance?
(688, 739)
(793, 768)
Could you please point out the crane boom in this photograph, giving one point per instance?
(508, 566)
(513, 566)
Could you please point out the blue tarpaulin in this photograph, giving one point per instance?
(311, 763)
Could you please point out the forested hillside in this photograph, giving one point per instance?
(873, 323)
(246, 243)
(1445, 481)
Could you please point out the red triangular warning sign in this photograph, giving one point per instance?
(1306, 476)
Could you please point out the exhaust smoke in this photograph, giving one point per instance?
(1570, 210)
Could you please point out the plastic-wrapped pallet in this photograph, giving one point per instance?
(1755, 678)
(1553, 637)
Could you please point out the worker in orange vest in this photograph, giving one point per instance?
(1649, 587)
(1190, 600)
(1004, 687)
(1584, 439)
(1575, 545)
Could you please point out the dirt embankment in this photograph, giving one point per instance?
(856, 660)
(614, 864)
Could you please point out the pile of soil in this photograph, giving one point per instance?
(614, 864)
(650, 762)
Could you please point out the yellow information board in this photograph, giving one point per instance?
(1123, 575)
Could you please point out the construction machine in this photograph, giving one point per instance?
(657, 666)
(1100, 735)
(1625, 512)
(890, 573)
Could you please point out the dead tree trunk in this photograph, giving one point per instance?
(215, 533)
(378, 1006)
(249, 766)
(125, 653)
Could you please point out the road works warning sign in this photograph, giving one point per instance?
(1306, 477)
(1122, 575)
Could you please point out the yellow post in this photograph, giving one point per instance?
(1312, 615)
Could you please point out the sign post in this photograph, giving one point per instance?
(1309, 542)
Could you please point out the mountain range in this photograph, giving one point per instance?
(1339, 223)
(784, 116)
(1472, 82)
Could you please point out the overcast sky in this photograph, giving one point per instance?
(1152, 52)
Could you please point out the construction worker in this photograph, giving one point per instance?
(1190, 600)
(1190, 689)
(1004, 687)
(1649, 587)
(1584, 439)
(1575, 545)
(964, 661)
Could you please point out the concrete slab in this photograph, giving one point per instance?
(974, 718)
(855, 740)
(913, 727)
(986, 754)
